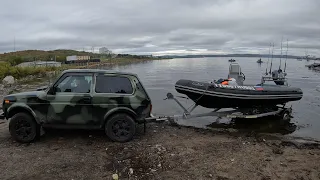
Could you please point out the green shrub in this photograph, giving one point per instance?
(19, 72)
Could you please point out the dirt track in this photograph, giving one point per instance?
(164, 152)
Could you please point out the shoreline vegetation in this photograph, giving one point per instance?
(21, 72)
(9, 62)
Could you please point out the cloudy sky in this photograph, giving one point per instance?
(162, 27)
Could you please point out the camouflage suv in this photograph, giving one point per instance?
(81, 99)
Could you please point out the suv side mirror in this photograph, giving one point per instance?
(52, 90)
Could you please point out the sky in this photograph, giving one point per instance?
(163, 27)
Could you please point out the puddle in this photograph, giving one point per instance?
(259, 125)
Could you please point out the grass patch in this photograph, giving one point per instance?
(18, 72)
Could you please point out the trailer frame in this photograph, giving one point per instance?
(282, 111)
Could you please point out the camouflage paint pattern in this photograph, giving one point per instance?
(81, 108)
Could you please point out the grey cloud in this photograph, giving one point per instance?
(146, 26)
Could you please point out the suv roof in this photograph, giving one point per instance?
(97, 71)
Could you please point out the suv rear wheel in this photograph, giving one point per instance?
(120, 127)
(23, 128)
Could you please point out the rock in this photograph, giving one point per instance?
(219, 177)
(268, 159)
(277, 151)
(8, 80)
(266, 178)
(115, 176)
(131, 171)
(283, 165)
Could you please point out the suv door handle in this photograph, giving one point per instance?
(87, 99)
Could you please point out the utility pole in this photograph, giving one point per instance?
(281, 53)
(14, 45)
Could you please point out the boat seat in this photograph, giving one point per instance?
(235, 72)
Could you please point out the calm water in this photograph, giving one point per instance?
(160, 76)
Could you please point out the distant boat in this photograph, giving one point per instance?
(231, 60)
(259, 61)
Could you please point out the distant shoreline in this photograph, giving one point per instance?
(238, 55)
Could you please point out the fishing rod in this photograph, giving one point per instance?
(271, 58)
(268, 60)
(281, 53)
(285, 64)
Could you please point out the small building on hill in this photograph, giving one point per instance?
(80, 59)
(39, 64)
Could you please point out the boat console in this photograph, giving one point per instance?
(235, 72)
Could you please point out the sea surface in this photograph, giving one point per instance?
(160, 76)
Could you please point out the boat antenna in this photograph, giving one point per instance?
(271, 58)
(285, 64)
(268, 60)
(281, 53)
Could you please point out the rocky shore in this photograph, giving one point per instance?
(163, 152)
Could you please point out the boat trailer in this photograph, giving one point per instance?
(282, 111)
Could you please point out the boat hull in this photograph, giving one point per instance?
(211, 95)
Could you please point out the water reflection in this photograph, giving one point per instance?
(260, 125)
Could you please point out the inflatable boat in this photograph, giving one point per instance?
(219, 95)
(212, 95)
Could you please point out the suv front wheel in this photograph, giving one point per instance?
(120, 127)
(23, 128)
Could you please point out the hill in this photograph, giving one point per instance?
(31, 55)
(59, 55)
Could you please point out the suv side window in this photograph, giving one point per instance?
(113, 84)
(75, 84)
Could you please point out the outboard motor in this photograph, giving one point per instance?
(235, 72)
(278, 77)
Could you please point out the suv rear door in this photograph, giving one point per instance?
(111, 92)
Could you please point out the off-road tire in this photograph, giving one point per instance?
(25, 121)
(122, 124)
